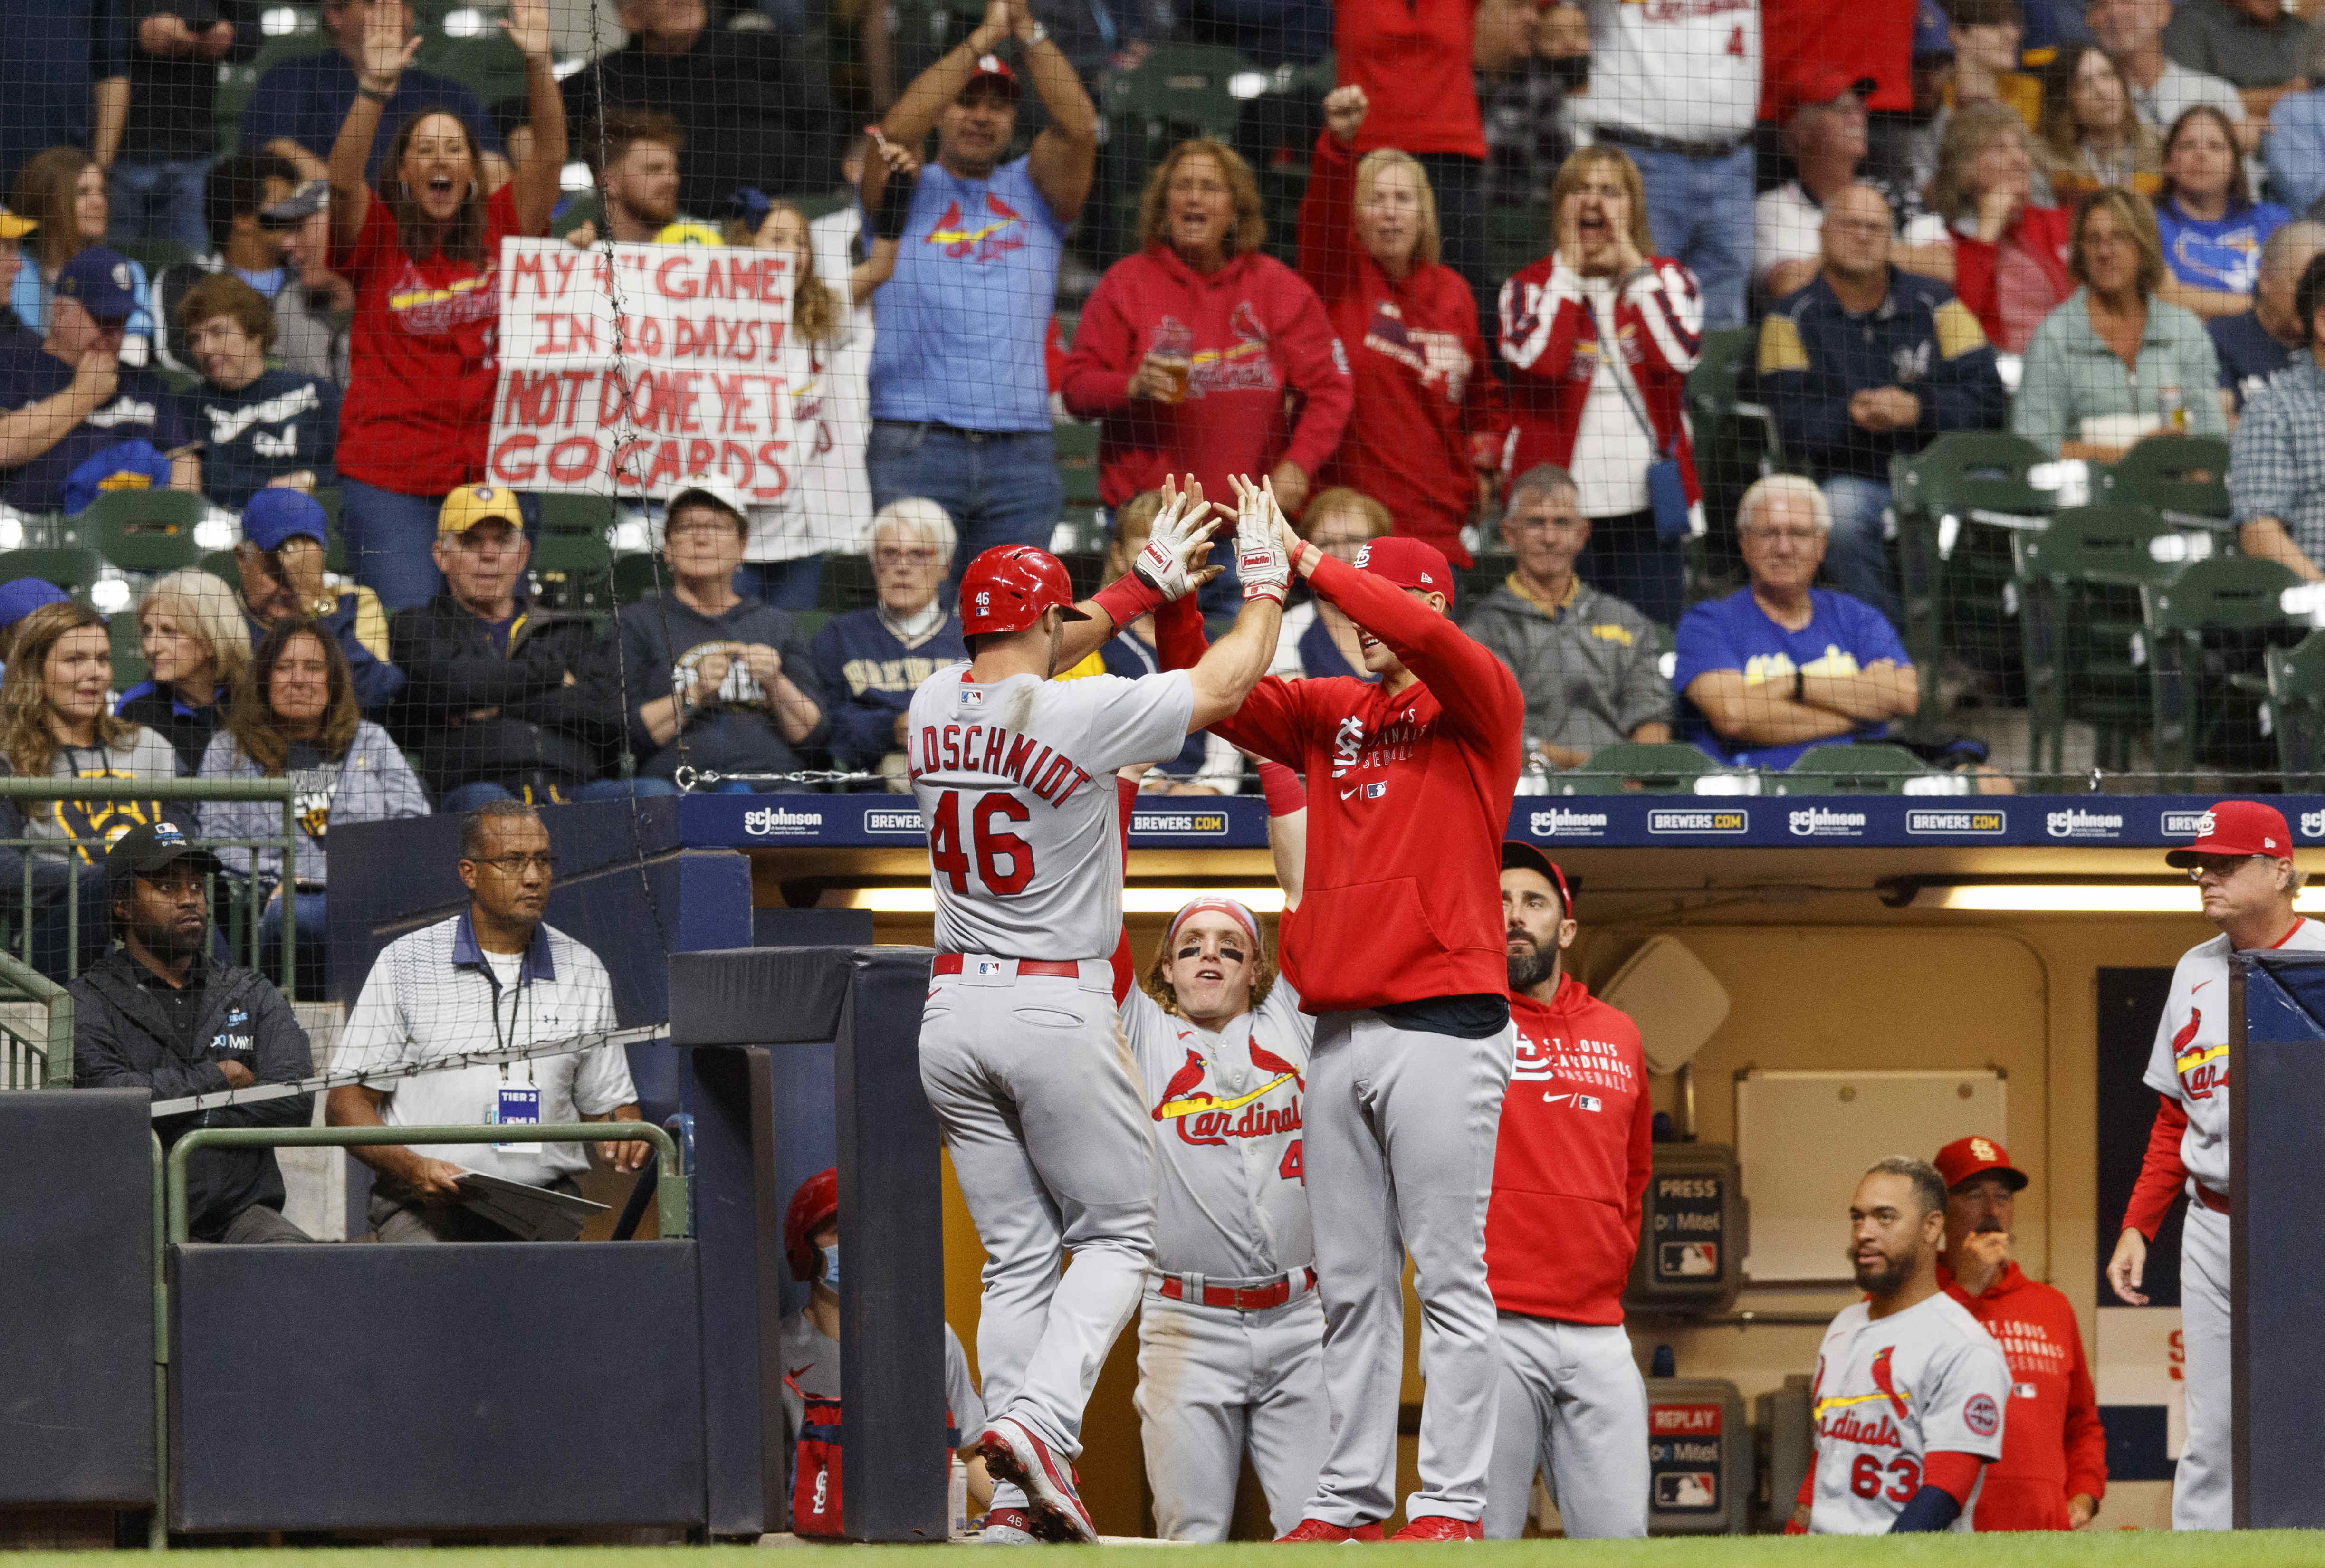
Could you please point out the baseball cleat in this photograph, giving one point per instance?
(1006, 1528)
(1314, 1532)
(1438, 1527)
(1013, 1454)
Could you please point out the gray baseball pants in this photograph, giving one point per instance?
(1399, 1151)
(1055, 1154)
(1571, 1395)
(1214, 1382)
(2202, 1490)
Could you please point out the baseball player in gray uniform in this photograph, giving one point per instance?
(1909, 1388)
(1051, 1139)
(1231, 1333)
(2242, 863)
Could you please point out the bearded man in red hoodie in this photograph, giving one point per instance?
(2052, 1471)
(1576, 1149)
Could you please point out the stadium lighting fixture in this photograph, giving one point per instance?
(2087, 898)
(1135, 900)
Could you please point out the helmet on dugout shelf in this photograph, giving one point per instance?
(816, 1201)
(1007, 588)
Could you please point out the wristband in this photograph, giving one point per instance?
(1125, 599)
(366, 91)
(1800, 685)
(1284, 789)
(888, 218)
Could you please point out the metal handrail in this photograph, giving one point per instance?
(56, 1050)
(158, 790)
(670, 1196)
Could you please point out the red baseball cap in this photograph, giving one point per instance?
(1520, 856)
(2236, 828)
(1963, 1158)
(1821, 84)
(994, 69)
(1408, 563)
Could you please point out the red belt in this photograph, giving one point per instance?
(2218, 1202)
(1248, 1301)
(949, 963)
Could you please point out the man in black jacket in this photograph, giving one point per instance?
(159, 1013)
(501, 698)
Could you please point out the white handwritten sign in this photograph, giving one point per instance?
(687, 377)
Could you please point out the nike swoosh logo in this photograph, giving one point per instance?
(1346, 792)
(2198, 986)
(802, 1366)
(1554, 1099)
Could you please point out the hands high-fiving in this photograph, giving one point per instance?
(1172, 564)
(1261, 559)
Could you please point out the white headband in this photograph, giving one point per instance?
(1227, 907)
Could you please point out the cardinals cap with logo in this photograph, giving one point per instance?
(992, 74)
(2236, 828)
(1519, 855)
(1963, 1158)
(1408, 563)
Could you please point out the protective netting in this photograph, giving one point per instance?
(1960, 413)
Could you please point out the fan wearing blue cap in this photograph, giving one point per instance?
(284, 539)
(18, 599)
(71, 396)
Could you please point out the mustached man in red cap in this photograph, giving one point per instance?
(2242, 863)
(1397, 949)
(2052, 1471)
(1571, 1165)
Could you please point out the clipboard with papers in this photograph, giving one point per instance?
(528, 1212)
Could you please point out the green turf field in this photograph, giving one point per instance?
(2126, 1548)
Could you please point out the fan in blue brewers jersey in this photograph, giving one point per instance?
(261, 429)
(869, 661)
(1910, 1388)
(2257, 344)
(1206, 765)
(1231, 1331)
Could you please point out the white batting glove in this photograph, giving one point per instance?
(1260, 561)
(1171, 563)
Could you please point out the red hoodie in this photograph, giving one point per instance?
(1551, 341)
(1411, 58)
(2042, 234)
(1576, 1149)
(2052, 1445)
(1254, 330)
(1408, 797)
(1427, 403)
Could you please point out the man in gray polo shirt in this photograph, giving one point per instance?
(492, 977)
(1586, 661)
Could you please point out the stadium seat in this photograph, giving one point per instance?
(1865, 768)
(222, 565)
(1958, 501)
(1182, 86)
(2205, 626)
(2296, 707)
(153, 254)
(2184, 477)
(2079, 618)
(1665, 769)
(637, 576)
(1518, 237)
(128, 651)
(847, 584)
(72, 568)
(144, 530)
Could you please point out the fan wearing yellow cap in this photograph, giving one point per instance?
(12, 257)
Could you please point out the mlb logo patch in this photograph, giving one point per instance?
(1374, 792)
(1586, 1102)
(989, 965)
(2021, 1390)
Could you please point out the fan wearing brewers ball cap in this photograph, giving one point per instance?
(1398, 952)
(2242, 865)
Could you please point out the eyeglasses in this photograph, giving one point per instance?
(518, 865)
(1767, 535)
(888, 555)
(2221, 866)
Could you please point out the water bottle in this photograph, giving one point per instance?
(957, 1500)
(2175, 408)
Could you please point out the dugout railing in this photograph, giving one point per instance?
(36, 1028)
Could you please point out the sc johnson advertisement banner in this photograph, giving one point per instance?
(624, 369)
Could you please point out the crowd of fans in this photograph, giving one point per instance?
(2080, 223)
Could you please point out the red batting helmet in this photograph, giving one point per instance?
(1007, 588)
(816, 1201)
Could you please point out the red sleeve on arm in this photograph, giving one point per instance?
(1096, 378)
(1316, 367)
(1281, 786)
(2086, 1437)
(1328, 237)
(2161, 1176)
(1951, 1471)
(1807, 1499)
(1475, 689)
(1267, 725)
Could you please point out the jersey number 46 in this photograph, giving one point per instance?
(992, 847)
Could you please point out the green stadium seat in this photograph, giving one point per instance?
(639, 575)
(144, 530)
(2296, 707)
(1182, 86)
(847, 584)
(222, 565)
(1864, 768)
(73, 568)
(2215, 617)
(1669, 768)
(1958, 501)
(2079, 617)
(128, 651)
(2184, 477)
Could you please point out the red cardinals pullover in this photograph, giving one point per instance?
(1551, 342)
(1412, 57)
(1253, 332)
(1426, 401)
(1577, 1147)
(1408, 796)
(2052, 1445)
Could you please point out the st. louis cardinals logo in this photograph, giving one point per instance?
(1852, 1427)
(1202, 1117)
(2202, 1068)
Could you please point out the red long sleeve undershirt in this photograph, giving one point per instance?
(2162, 1174)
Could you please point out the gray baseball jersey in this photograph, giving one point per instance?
(1890, 1391)
(1016, 781)
(2189, 1062)
(1234, 1202)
